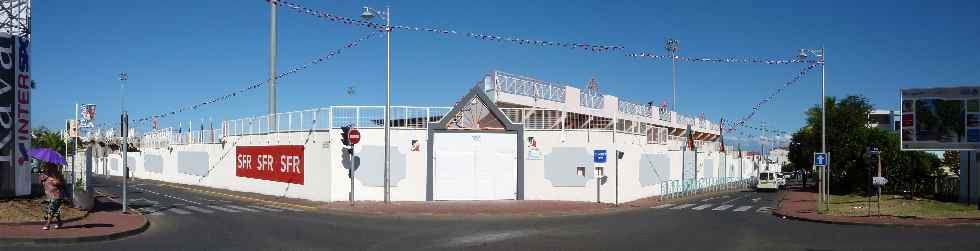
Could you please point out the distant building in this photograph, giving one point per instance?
(884, 119)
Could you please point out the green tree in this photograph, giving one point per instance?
(45, 138)
(951, 159)
(848, 139)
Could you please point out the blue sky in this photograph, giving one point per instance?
(181, 52)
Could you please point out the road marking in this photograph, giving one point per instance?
(663, 206)
(764, 210)
(151, 211)
(224, 209)
(742, 208)
(283, 205)
(702, 207)
(179, 211)
(285, 208)
(266, 208)
(722, 207)
(756, 200)
(682, 206)
(243, 208)
(202, 210)
(736, 198)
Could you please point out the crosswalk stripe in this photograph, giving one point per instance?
(243, 208)
(701, 207)
(682, 206)
(742, 208)
(178, 211)
(202, 210)
(722, 207)
(286, 208)
(663, 206)
(224, 209)
(763, 210)
(266, 208)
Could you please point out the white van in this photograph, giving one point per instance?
(767, 181)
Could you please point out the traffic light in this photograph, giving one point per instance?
(345, 130)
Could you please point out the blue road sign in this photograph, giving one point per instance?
(820, 159)
(599, 156)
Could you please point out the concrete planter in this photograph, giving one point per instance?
(83, 200)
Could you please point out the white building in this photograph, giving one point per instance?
(510, 137)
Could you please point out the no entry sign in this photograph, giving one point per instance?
(354, 136)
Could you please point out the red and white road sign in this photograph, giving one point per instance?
(354, 136)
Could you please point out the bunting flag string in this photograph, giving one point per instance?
(770, 61)
(588, 46)
(757, 106)
(758, 128)
(215, 99)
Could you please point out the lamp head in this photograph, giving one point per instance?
(367, 14)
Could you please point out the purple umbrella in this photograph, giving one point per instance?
(47, 155)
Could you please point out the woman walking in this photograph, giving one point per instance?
(53, 183)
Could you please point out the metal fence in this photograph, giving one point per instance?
(526, 86)
(406, 117)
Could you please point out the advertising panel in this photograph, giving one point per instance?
(8, 99)
(946, 118)
(273, 163)
(23, 110)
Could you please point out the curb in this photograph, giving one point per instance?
(835, 222)
(778, 212)
(66, 240)
(22, 223)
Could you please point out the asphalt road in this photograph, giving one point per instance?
(735, 221)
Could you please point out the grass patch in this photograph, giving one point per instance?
(893, 205)
(25, 210)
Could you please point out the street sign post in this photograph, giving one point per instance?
(599, 160)
(820, 159)
(354, 136)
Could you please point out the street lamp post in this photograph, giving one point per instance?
(386, 15)
(824, 186)
(123, 131)
(673, 46)
(273, 119)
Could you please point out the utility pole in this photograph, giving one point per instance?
(124, 128)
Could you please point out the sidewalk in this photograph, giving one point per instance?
(802, 205)
(105, 222)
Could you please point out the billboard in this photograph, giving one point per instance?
(946, 118)
(86, 118)
(15, 115)
(283, 163)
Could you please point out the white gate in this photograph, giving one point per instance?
(474, 166)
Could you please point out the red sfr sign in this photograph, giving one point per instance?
(354, 136)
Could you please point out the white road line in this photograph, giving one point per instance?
(266, 208)
(663, 206)
(224, 209)
(742, 208)
(151, 211)
(763, 210)
(286, 208)
(702, 207)
(179, 211)
(202, 210)
(722, 207)
(682, 206)
(243, 208)
(736, 198)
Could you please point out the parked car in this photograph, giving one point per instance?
(767, 181)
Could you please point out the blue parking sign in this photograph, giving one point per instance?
(820, 159)
(599, 156)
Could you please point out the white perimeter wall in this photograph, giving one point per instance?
(325, 177)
